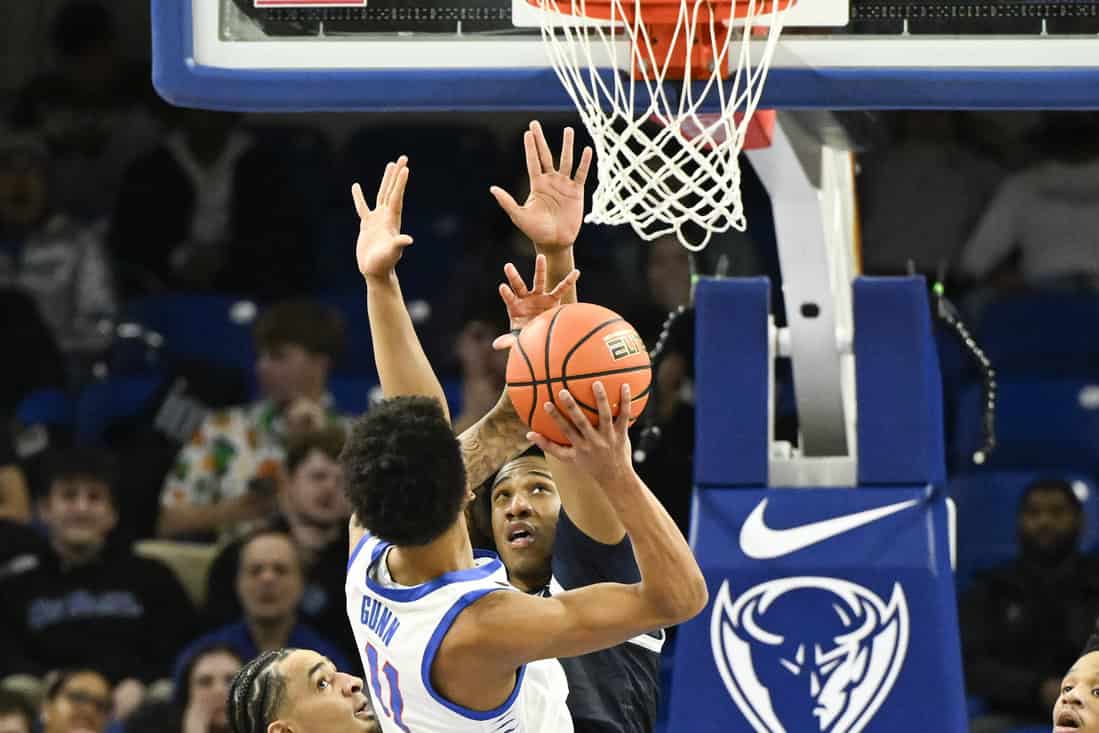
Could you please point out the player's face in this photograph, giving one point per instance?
(525, 505)
(320, 699)
(210, 680)
(1077, 709)
(79, 513)
(1048, 519)
(269, 580)
(315, 492)
(82, 705)
(289, 371)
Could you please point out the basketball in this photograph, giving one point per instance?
(572, 347)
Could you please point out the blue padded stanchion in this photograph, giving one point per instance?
(831, 610)
(730, 439)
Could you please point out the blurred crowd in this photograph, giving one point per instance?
(171, 498)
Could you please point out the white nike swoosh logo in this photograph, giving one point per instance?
(760, 542)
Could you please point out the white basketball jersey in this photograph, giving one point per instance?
(398, 631)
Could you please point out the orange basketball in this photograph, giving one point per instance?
(572, 347)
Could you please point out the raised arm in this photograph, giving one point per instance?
(400, 359)
(551, 217)
(500, 435)
(505, 630)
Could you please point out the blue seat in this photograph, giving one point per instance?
(988, 503)
(106, 403)
(50, 407)
(1040, 423)
(216, 329)
(1042, 333)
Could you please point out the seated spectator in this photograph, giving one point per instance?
(224, 478)
(220, 210)
(77, 700)
(92, 106)
(270, 583)
(58, 262)
(921, 195)
(16, 713)
(198, 705)
(82, 602)
(483, 369)
(314, 512)
(1047, 215)
(1022, 624)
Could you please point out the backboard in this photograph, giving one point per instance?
(283, 55)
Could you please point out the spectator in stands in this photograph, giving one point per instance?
(314, 512)
(226, 476)
(270, 583)
(83, 602)
(76, 700)
(58, 262)
(1022, 624)
(16, 713)
(93, 108)
(483, 369)
(1047, 215)
(921, 195)
(220, 210)
(198, 706)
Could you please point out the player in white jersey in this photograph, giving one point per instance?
(454, 647)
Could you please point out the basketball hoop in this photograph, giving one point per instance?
(668, 136)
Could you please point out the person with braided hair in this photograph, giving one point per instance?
(297, 691)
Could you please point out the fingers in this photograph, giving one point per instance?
(396, 198)
(547, 446)
(392, 170)
(568, 429)
(511, 300)
(507, 203)
(539, 274)
(360, 203)
(578, 419)
(403, 240)
(566, 152)
(504, 342)
(515, 281)
(383, 187)
(625, 403)
(534, 167)
(566, 282)
(603, 405)
(585, 164)
(545, 156)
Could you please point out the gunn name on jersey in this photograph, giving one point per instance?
(377, 617)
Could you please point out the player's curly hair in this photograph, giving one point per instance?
(405, 476)
(257, 693)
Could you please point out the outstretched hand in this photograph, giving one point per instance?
(525, 305)
(553, 212)
(602, 451)
(380, 243)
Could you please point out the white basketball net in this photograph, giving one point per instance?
(687, 173)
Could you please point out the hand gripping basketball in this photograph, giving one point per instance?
(571, 347)
(603, 451)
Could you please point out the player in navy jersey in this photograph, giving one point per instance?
(545, 552)
(446, 642)
(555, 529)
